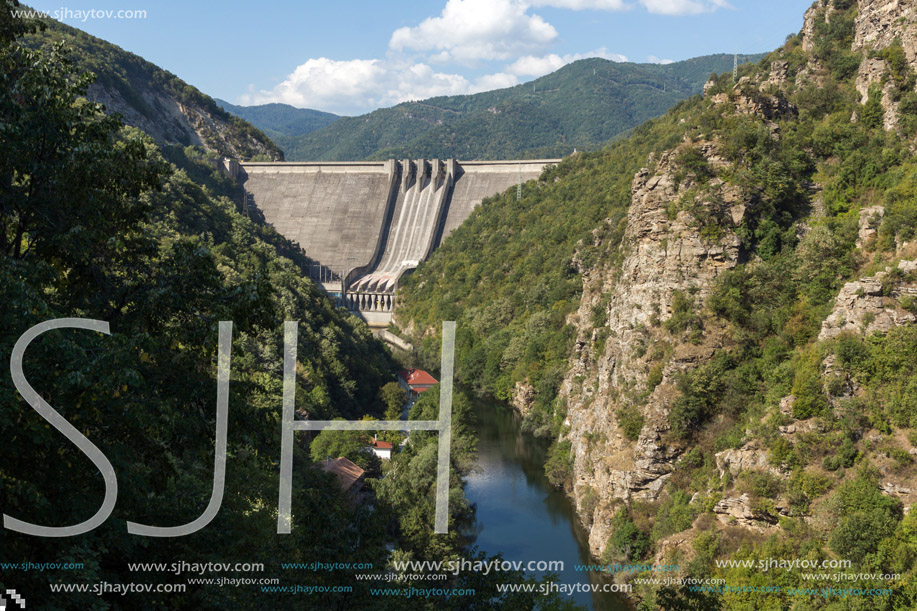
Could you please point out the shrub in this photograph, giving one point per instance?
(630, 421)
(675, 514)
(559, 463)
(683, 316)
(844, 457)
(807, 385)
(654, 378)
(864, 517)
(627, 542)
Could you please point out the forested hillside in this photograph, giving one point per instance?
(583, 104)
(155, 100)
(99, 222)
(714, 320)
(283, 124)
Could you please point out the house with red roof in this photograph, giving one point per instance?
(382, 449)
(415, 381)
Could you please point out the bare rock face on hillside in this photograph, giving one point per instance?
(865, 306)
(668, 255)
(880, 23)
(169, 121)
(874, 71)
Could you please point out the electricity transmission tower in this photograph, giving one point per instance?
(519, 185)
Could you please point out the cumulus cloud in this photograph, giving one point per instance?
(579, 5)
(683, 7)
(535, 66)
(466, 32)
(361, 85)
(655, 60)
(470, 31)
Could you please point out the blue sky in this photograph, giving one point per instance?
(351, 56)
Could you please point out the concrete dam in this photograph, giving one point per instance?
(366, 224)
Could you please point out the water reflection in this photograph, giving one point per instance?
(518, 512)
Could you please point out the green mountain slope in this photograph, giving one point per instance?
(155, 100)
(715, 320)
(583, 104)
(99, 222)
(283, 123)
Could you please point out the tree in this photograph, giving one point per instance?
(332, 444)
(394, 398)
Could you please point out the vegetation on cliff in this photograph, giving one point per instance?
(98, 222)
(810, 143)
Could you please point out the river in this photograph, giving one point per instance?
(518, 512)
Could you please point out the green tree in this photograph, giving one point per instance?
(394, 399)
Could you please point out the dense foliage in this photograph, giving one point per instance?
(512, 274)
(582, 105)
(100, 223)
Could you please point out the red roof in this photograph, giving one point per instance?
(417, 377)
(383, 445)
(346, 472)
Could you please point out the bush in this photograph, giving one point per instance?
(844, 458)
(683, 316)
(630, 421)
(627, 542)
(864, 517)
(675, 514)
(807, 386)
(559, 463)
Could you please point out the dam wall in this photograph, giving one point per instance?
(480, 179)
(335, 211)
(366, 224)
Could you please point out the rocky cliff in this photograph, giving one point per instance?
(617, 397)
(652, 291)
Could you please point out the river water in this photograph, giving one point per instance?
(518, 512)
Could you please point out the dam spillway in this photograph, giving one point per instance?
(366, 224)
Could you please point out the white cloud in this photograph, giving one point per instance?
(655, 60)
(470, 31)
(683, 7)
(466, 32)
(579, 5)
(531, 65)
(361, 85)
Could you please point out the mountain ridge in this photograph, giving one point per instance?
(581, 105)
(282, 123)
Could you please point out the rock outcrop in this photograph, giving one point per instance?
(170, 121)
(739, 511)
(667, 252)
(874, 72)
(865, 306)
(880, 23)
(870, 219)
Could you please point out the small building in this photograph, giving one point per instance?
(348, 475)
(415, 381)
(382, 449)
